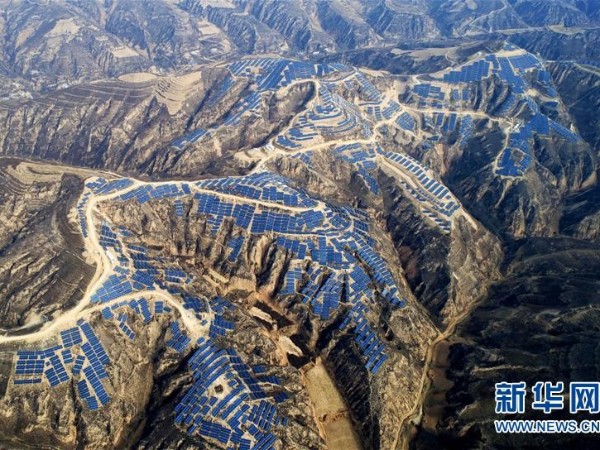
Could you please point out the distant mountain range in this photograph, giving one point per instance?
(45, 44)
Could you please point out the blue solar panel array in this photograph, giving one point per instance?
(375, 112)
(364, 161)
(249, 104)
(334, 237)
(191, 138)
(268, 74)
(426, 90)
(287, 143)
(114, 287)
(100, 186)
(564, 132)
(469, 73)
(466, 129)
(179, 212)
(124, 327)
(518, 156)
(303, 130)
(449, 125)
(265, 186)
(246, 217)
(147, 193)
(177, 276)
(367, 89)
(220, 91)
(305, 157)
(235, 245)
(344, 267)
(327, 300)
(369, 344)
(508, 75)
(323, 291)
(81, 208)
(220, 304)
(391, 109)
(242, 415)
(219, 327)
(380, 112)
(109, 239)
(509, 103)
(545, 80)
(53, 362)
(57, 364)
(179, 340)
(430, 189)
(292, 278)
(274, 73)
(510, 69)
(71, 337)
(140, 307)
(406, 121)
(137, 271)
(513, 162)
(525, 62)
(269, 221)
(345, 233)
(333, 116)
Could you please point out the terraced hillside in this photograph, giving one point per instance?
(49, 44)
(41, 251)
